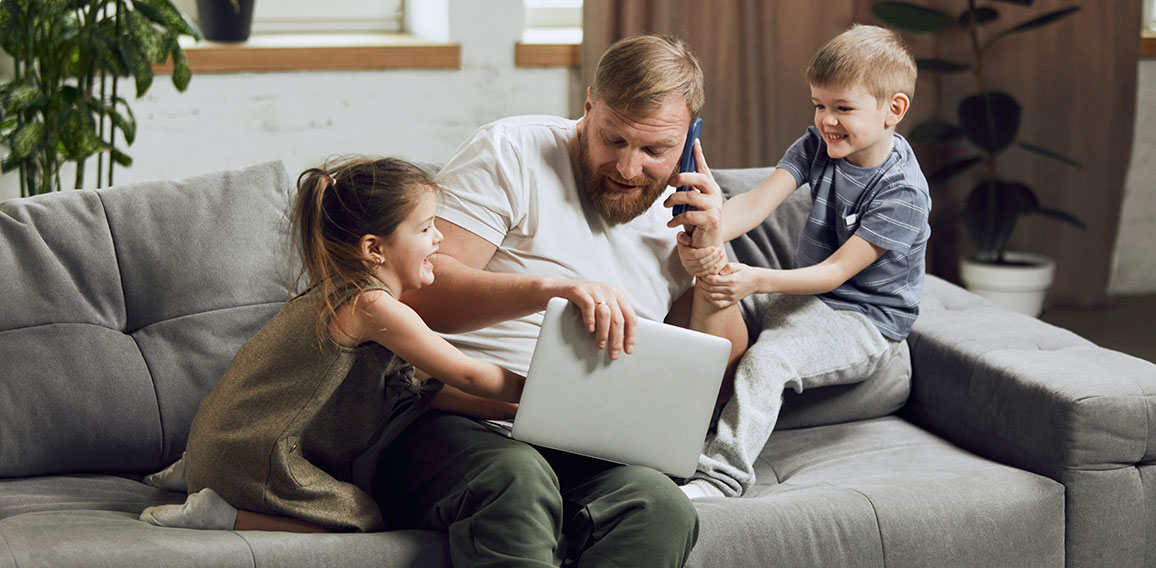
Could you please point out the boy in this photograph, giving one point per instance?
(842, 315)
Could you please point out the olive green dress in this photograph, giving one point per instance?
(280, 431)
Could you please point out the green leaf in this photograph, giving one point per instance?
(78, 135)
(953, 169)
(26, 140)
(940, 65)
(12, 29)
(167, 15)
(8, 126)
(1041, 21)
(9, 163)
(120, 157)
(1049, 153)
(983, 15)
(106, 56)
(181, 72)
(1062, 216)
(990, 120)
(912, 17)
(126, 124)
(21, 97)
(142, 70)
(150, 41)
(992, 209)
(1038, 22)
(934, 131)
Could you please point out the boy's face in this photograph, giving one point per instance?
(854, 124)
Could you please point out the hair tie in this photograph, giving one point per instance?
(332, 181)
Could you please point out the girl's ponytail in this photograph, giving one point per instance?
(308, 219)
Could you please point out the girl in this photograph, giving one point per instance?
(272, 446)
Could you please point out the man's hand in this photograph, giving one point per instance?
(735, 282)
(704, 222)
(606, 311)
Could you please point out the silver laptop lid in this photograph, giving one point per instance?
(651, 407)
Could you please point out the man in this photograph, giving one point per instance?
(537, 207)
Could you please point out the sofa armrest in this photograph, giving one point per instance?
(1024, 392)
(1028, 394)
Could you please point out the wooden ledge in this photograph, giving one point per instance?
(1148, 45)
(547, 54)
(275, 53)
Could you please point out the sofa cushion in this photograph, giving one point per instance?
(882, 492)
(124, 307)
(88, 520)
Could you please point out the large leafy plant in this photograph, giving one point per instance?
(988, 120)
(62, 103)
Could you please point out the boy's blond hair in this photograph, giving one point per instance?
(876, 56)
(638, 73)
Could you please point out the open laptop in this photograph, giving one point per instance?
(651, 407)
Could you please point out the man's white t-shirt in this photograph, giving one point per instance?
(513, 184)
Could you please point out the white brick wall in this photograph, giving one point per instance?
(230, 121)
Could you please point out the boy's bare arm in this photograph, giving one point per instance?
(737, 281)
(749, 209)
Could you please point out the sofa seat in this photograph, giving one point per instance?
(91, 521)
(883, 492)
(879, 492)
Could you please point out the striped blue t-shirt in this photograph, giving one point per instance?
(886, 205)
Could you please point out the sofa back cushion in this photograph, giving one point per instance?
(122, 309)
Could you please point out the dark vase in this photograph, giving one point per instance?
(221, 21)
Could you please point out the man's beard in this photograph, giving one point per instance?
(615, 206)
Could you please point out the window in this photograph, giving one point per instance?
(305, 16)
(553, 21)
(553, 13)
(297, 16)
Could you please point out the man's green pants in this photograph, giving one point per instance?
(506, 503)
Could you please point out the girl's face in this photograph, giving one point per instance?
(409, 249)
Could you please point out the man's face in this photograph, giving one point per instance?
(626, 161)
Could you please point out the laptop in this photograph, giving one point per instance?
(651, 407)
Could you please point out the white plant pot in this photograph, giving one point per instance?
(1018, 287)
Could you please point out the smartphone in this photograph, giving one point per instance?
(687, 163)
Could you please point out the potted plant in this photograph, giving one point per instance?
(988, 121)
(62, 103)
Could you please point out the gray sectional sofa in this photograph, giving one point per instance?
(1015, 444)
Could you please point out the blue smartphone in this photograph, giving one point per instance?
(687, 163)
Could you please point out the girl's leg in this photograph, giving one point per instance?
(207, 510)
(204, 509)
(253, 521)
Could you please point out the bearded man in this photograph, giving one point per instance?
(537, 207)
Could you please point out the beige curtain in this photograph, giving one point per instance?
(1076, 81)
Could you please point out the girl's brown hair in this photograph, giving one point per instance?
(337, 204)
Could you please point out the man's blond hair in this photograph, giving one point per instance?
(875, 56)
(639, 73)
